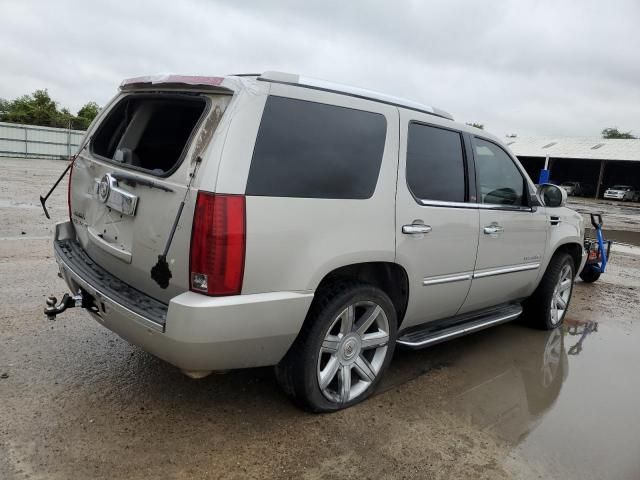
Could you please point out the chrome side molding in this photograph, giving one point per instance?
(501, 271)
(446, 279)
(461, 277)
(478, 206)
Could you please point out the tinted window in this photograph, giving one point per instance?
(312, 150)
(435, 164)
(499, 180)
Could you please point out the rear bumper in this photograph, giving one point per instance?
(194, 332)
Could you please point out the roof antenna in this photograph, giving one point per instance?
(160, 272)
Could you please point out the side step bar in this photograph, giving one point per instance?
(426, 335)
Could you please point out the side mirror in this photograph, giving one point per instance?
(551, 195)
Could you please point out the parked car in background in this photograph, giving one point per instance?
(321, 225)
(573, 189)
(622, 192)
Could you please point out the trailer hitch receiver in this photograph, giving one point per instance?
(54, 308)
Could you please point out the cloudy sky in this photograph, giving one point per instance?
(521, 66)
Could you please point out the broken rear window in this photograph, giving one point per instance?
(149, 132)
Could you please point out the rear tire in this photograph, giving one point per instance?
(548, 305)
(590, 273)
(344, 347)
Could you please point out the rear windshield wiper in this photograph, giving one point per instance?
(134, 181)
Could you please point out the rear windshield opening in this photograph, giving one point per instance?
(149, 132)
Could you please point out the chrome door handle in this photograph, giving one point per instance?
(493, 229)
(416, 229)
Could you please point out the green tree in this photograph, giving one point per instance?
(477, 125)
(40, 109)
(615, 133)
(64, 119)
(35, 109)
(86, 115)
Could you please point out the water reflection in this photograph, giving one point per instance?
(581, 329)
(510, 393)
(504, 379)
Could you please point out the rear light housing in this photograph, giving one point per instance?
(216, 264)
(69, 191)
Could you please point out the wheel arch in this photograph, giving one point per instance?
(574, 250)
(389, 277)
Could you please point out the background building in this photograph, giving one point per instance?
(596, 162)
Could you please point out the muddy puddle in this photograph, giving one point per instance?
(618, 236)
(564, 400)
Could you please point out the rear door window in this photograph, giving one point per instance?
(435, 163)
(313, 150)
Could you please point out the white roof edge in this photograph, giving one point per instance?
(350, 90)
(576, 147)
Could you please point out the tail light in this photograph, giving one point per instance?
(69, 192)
(218, 244)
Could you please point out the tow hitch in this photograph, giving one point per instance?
(81, 299)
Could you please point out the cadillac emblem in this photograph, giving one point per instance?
(104, 187)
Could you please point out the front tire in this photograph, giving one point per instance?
(344, 347)
(548, 305)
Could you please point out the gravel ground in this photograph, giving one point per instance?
(76, 401)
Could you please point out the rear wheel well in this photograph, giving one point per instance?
(389, 277)
(575, 251)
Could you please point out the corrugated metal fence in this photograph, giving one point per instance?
(30, 141)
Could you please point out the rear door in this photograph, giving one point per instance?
(127, 185)
(436, 219)
(512, 234)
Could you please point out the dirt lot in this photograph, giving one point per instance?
(76, 401)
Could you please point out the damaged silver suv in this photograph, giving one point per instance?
(244, 221)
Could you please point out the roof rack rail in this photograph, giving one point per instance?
(316, 84)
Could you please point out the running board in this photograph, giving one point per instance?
(426, 335)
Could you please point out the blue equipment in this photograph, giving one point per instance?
(598, 252)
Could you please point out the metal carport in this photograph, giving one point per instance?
(597, 162)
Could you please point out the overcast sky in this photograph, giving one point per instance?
(522, 66)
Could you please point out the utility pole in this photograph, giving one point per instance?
(600, 178)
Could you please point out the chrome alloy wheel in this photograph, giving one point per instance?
(561, 295)
(353, 351)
